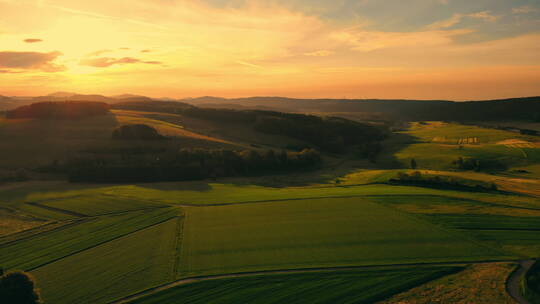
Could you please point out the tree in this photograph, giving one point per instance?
(413, 164)
(18, 287)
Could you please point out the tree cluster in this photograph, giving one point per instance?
(136, 132)
(479, 164)
(187, 164)
(59, 110)
(416, 178)
(18, 287)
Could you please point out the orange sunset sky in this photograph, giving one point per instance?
(414, 49)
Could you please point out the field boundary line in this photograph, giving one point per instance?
(72, 213)
(98, 244)
(179, 241)
(195, 279)
(348, 196)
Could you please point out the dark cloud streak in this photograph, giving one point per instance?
(32, 40)
(31, 61)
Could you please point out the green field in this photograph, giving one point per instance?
(435, 145)
(117, 268)
(314, 233)
(364, 286)
(95, 243)
(47, 247)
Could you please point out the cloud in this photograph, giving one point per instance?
(32, 40)
(146, 51)
(525, 9)
(367, 41)
(2, 71)
(103, 62)
(31, 61)
(321, 53)
(248, 64)
(485, 15)
(457, 18)
(99, 52)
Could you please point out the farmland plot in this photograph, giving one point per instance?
(314, 233)
(117, 268)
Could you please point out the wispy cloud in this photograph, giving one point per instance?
(457, 18)
(103, 62)
(525, 9)
(248, 64)
(321, 53)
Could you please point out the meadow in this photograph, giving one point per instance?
(315, 233)
(97, 243)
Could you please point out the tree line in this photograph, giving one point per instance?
(331, 134)
(184, 164)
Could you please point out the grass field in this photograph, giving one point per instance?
(435, 145)
(52, 245)
(479, 284)
(12, 221)
(118, 268)
(90, 243)
(363, 286)
(314, 233)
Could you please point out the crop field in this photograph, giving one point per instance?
(510, 233)
(314, 233)
(97, 275)
(233, 240)
(44, 248)
(359, 286)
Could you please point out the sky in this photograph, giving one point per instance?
(410, 49)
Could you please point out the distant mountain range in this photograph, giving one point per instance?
(526, 108)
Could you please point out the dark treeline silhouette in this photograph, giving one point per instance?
(479, 164)
(330, 134)
(185, 164)
(59, 110)
(18, 288)
(527, 108)
(153, 106)
(136, 132)
(416, 178)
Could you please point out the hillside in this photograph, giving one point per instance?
(489, 110)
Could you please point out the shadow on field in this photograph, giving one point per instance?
(391, 146)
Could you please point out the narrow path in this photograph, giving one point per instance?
(513, 284)
(185, 281)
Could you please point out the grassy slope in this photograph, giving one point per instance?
(115, 269)
(438, 144)
(364, 286)
(479, 284)
(58, 139)
(314, 233)
(511, 229)
(49, 246)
